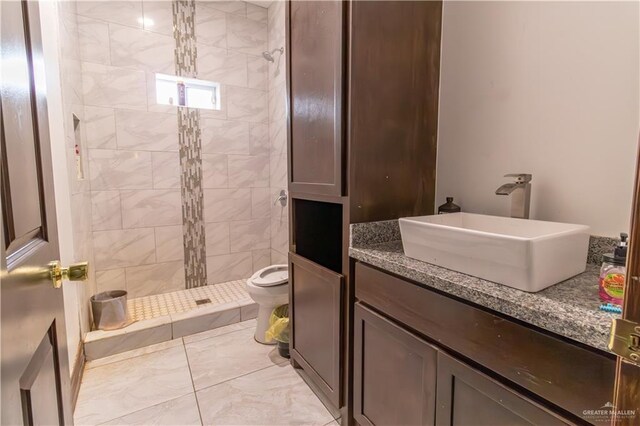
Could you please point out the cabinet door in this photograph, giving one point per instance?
(467, 397)
(315, 85)
(394, 373)
(316, 299)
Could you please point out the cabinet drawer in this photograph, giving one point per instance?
(316, 313)
(394, 373)
(467, 397)
(567, 375)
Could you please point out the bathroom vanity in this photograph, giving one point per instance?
(433, 345)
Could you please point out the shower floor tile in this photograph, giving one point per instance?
(147, 307)
(159, 318)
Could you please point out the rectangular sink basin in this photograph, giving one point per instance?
(529, 255)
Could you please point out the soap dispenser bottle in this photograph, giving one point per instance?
(613, 272)
(449, 207)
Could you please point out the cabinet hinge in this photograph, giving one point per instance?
(624, 340)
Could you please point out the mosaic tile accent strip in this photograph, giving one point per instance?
(190, 149)
(148, 307)
(184, 33)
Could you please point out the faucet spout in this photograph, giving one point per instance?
(520, 192)
(506, 189)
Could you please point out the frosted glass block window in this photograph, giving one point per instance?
(189, 92)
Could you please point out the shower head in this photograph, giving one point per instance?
(269, 55)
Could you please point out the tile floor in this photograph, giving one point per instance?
(147, 307)
(218, 377)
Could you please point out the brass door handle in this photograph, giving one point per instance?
(75, 272)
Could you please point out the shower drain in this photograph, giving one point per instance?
(202, 301)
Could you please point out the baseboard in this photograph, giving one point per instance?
(76, 377)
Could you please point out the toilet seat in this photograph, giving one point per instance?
(271, 276)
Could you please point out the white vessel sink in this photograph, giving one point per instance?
(529, 255)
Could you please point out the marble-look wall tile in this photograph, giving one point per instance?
(105, 210)
(247, 104)
(228, 267)
(278, 258)
(135, 47)
(113, 279)
(232, 6)
(225, 137)
(248, 171)
(257, 72)
(115, 87)
(277, 102)
(152, 207)
(222, 205)
(278, 136)
(214, 171)
(166, 169)
(222, 65)
(169, 243)
(146, 131)
(249, 235)
(121, 248)
(259, 139)
(158, 16)
(217, 238)
(278, 171)
(257, 13)
(93, 40)
(100, 127)
(120, 12)
(110, 169)
(261, 202)
(246, 35)
(211, 27)
(261, 259)
(280, 235)
(153, 279)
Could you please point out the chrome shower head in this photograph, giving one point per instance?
(269, 55)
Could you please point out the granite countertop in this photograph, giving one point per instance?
(569, 309)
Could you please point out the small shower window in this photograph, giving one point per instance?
(189, 92)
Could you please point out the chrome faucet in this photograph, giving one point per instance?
(520, 192)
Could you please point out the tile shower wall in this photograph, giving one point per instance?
(133, 143)
(278, 134)
(76, 295)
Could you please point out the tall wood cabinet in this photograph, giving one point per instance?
(362, 81)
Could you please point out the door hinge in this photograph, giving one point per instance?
(624, 340)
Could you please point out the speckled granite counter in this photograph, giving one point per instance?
(569, 308)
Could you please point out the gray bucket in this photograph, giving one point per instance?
(109, 309)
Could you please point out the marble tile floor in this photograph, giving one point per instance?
(218, 377)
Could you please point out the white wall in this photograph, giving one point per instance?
(548, 88)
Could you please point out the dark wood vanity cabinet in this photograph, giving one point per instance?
(466, 397)
(394, 373)
(486, 369)
(400, 379)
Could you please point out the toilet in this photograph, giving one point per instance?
(269, 288)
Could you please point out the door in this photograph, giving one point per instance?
(467, 397)
(394, 373)
(626, 400)
(34, 363)
(315, 308)
(316, 49)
